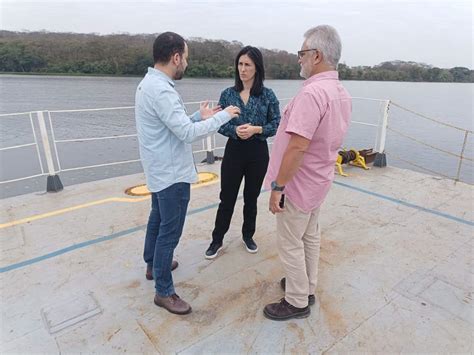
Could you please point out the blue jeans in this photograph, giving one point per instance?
(165, 225)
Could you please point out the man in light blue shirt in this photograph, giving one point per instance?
(165, 133)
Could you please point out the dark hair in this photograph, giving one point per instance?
(167, 45)
(257, 59)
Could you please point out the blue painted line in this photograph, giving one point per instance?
(68, 249)
(404, 203)
(91, 242)
(208, 207)
(202, 209)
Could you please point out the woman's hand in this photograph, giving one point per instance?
(246, 131)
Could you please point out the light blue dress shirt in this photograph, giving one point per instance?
(165, 132)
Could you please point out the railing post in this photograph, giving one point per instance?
(210, 158)
(53, 183)
(461, 157)
(380, 158)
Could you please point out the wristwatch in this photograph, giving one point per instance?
(276, 187)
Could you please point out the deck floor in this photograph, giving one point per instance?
(396, 273)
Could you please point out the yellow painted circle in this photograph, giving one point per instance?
(142, 190)
(206, 177)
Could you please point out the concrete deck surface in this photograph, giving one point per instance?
(396, 273)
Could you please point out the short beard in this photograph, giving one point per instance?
(179, 73)
(302, 74)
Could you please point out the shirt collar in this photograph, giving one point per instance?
(162, 75)
(326, 75)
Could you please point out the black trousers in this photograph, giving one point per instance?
(242, 159)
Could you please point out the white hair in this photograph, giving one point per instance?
(325, 39)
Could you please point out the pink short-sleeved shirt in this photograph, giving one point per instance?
(320, 112)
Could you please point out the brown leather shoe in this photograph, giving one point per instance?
(173, 304)
(311, 298)
(149, 270)
(284, 311)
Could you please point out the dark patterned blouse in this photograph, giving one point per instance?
(263, 110)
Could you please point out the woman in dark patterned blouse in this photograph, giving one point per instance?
(246, 151)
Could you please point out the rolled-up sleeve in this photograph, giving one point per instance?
(196, 116)
(170, 110)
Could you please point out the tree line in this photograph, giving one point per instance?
(126, 54)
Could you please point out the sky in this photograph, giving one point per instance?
(435, 32)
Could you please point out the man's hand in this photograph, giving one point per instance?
(233, 111)
(206, 111)
(274, 204)
(246, 131)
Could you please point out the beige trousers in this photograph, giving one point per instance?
(299, 241)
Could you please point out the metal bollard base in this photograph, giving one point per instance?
(54, 184)
(380, 160)
(210, 158)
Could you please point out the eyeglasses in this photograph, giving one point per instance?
(303, 52)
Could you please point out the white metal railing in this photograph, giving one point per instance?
(56, 141)
(35, 144)
(93, 139)
(18, 146)
(381, 125)
(209, 144)
(461, 156)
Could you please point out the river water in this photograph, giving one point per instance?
(449, 102)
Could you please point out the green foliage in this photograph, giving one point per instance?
(18, 58)
(124, 54)
(406, 71)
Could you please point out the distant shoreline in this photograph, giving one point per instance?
(72, 74)
(187, 77)
(124, 55)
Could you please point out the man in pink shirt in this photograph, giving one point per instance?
(301, 168)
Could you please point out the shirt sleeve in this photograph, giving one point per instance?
(305, 115)
(196, 116)
(228, 128)
(171, 112)
(269, 129)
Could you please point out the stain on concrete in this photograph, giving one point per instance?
(336, 253)
(297, 331)
(330, 310)
(202, 317)
(113, 333)
(150, 337)
(134, 284)
(192, 290)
